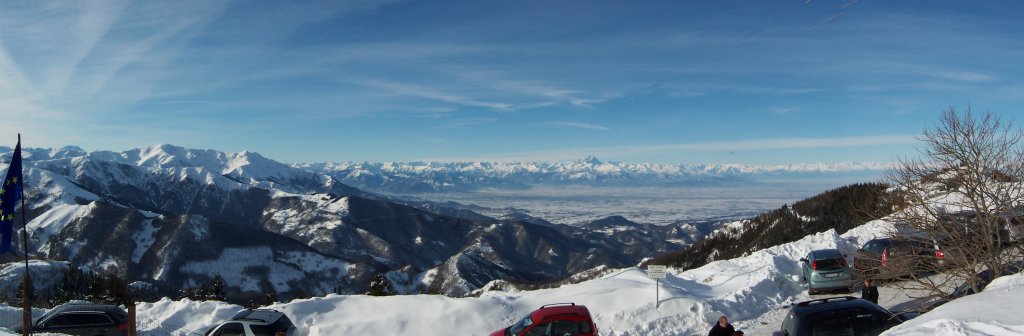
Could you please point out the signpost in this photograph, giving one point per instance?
(656, 272)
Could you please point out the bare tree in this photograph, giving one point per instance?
(962, 195)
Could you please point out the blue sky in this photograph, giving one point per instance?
(760, 82)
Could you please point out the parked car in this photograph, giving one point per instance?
(890, 258)
(82, 318)
(560, 319)
(984, 278)
(840, 316)
(825, 270)
(1011, 223)
(255, 322)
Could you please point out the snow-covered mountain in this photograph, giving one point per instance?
(176, 217)
(411, 177)
(754, 290)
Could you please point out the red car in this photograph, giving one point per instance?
(559, 319)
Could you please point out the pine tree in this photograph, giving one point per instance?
(116, 288)
(380, 286)
(187, 293)
(20, 294)
(216, 289)
(269, 297)
(201, 293)
(97, 291)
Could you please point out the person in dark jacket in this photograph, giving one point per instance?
(722, 328)
(870, 291)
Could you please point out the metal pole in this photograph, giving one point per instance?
(131, 318)
(26, 315)
(657, 300)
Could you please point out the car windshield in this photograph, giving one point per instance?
(515, 329)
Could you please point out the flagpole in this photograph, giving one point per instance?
(26, 315)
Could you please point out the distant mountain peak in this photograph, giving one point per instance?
(591, 159)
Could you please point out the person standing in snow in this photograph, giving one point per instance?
(870, 291)
(722, 328)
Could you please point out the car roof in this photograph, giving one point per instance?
(259, 315)
(82, 307)
(826, 304)
(85, 306)
(559, 309)
(827, 253)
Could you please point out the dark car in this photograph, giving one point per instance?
(255, 322)
(983, 278)
(82, 318)
(560, 319)
(840, 316)
(1010, 222)
(891, 258)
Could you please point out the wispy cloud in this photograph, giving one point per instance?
(542, 90)
(962, 76)
(719, 146)
(433, 94)
(783, 110)
(580, 125)
(468, 123)
(826, 20)
(434, 140)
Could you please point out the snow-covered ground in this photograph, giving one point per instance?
(751, 290)
(754, 291)
(994, 311)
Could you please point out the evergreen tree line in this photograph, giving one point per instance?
(77, 284)
(842, 209)
(214, 290)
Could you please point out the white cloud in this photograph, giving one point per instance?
(580, 125)
(962, 76)
(432, 94)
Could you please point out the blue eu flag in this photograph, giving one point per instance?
(10, 193)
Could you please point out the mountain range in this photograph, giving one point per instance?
(176, 217)
(420, 177)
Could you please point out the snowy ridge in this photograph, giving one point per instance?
(437, 176)
(588, 168)
(226, 170)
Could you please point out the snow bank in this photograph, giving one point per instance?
(994, 311)
(185, 316)
(623, 303)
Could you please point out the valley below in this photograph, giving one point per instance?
(575, 205)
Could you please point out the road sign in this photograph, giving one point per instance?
(656, 271)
